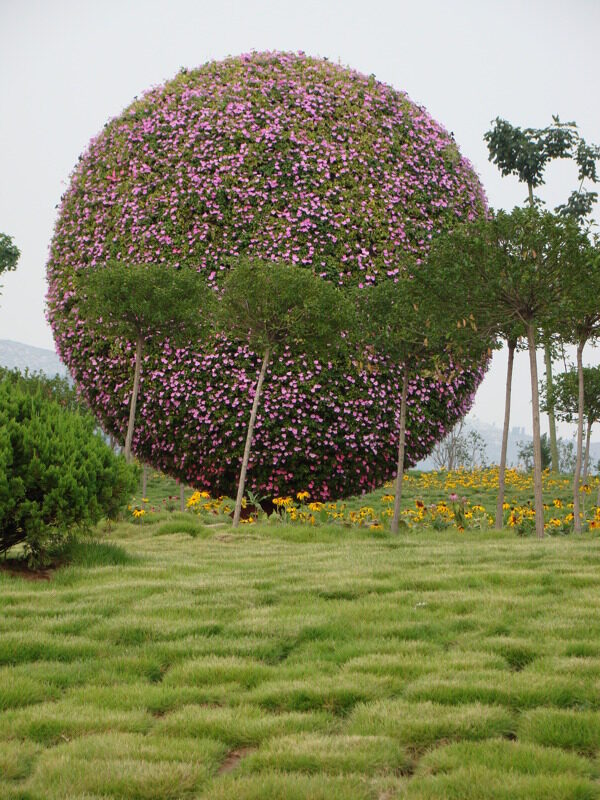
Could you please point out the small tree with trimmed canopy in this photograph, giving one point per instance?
(403, 322)
(512, 269)
(137, 302)
(272, 306)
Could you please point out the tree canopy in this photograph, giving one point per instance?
(526, 152)
(277, 305)
(131, 300)
(566, 394)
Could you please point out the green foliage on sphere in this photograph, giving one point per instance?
(57, 475)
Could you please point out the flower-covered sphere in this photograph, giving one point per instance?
(277, 156)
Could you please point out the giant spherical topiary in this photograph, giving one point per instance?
(282, 157)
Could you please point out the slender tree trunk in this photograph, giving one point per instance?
(586, 460)
(134, 395)
(551, 416)
(548, 365)
(578, 459)
(401, 441)
(181, 497)
(145, 480)
(244, 469)
(502, 469)
(537, 449)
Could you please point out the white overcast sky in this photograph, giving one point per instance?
(67, 66)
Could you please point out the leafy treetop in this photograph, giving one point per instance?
(508, 270)
(274, 306)
(565, 395)
(139, 300)
(401, 321)
(525, 152)
(578, 317)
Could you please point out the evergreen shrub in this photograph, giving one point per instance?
(57, 474)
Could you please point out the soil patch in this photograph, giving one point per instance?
(20, 569)
(233, 758)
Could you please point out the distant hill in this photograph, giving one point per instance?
(16, 355)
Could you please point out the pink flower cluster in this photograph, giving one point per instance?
(283, 157)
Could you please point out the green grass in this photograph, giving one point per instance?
(301, 663)
(190, 526)
(96, 554)
(162, 493)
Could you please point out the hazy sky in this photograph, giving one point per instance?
(67, 66)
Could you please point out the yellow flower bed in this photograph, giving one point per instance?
(430, 500)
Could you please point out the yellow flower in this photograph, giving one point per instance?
(196, 498)
(376, 527)
(302, 495)
(387, 498)
(138, 512)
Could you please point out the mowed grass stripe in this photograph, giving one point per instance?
(276, 664)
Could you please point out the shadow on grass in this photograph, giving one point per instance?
(76, 553)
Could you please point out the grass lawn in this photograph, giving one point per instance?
(298, 662)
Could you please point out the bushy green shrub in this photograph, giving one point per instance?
(57, 475)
